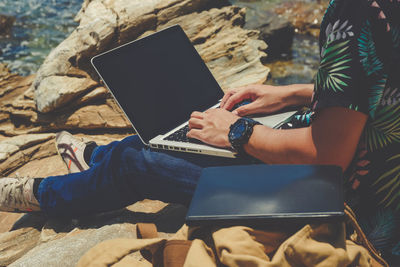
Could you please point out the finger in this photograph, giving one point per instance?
(230, 93)
(248, 109)
(194, 133)
(197, 114)
(226, 97)
(196, 123)
(236, 98)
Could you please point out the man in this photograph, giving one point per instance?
(355, 118)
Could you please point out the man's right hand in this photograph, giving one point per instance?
(266, 98)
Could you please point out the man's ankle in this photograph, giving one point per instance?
(36, 183)
(87, 153)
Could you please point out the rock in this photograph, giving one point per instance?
(6, 23)
(22, 156)
(104, 115)
(7, 220)
(63, 242)
(68, 250)
(92, 110)
(12, 145)
(23, 236)
(15, 244)
(42, 167)
(67, 89)
(281, 70)
(306, 17)
(104, 25)
(275, 30)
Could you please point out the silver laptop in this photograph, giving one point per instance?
(158, 81)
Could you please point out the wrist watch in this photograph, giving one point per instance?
(240, 132)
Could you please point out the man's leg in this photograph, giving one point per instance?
(126, 173)
(78, 154)
(99, 152)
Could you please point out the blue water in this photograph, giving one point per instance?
(40, 26)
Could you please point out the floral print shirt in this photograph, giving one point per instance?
(360, 70)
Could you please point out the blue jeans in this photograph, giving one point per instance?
(122, 173)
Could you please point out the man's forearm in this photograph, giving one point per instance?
(300, 94)
(331, 139)
(273, 146)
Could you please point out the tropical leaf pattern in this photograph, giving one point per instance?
(396, 44)
(391, 96)
(367, 50)
(389, 184)
(338, 31)
(380, 227)
(375, 94)
(396, 249)
(384, 129)
(331, 72)
(396, 37)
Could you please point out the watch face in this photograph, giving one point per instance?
(240, 132)
(239, 129)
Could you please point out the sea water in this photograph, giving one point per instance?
(40, 26)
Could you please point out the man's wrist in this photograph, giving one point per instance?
(240, 133)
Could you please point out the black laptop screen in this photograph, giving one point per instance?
(158, 81)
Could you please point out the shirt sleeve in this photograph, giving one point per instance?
(351, 71)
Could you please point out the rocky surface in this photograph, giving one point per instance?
(275, 30)
(65, 94)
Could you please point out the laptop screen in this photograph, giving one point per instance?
(158, 81)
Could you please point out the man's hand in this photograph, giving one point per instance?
(266, 98)
(211, 126)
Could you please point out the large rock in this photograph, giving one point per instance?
(68, 250)
(22, 237)
(104, 25)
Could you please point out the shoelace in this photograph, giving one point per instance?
(12, 193)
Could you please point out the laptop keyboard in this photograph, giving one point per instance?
(180, 136)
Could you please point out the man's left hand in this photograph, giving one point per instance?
(212, 126)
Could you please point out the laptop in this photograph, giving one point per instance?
(266, 195)
(158, 81)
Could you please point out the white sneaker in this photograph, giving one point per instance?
(16, 195)
(71, 150)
